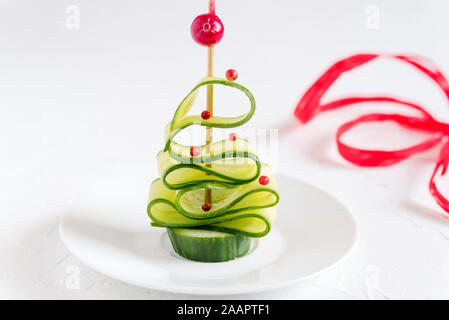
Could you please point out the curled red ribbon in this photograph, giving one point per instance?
(310, 105)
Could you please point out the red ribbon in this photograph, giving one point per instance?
(310, 105)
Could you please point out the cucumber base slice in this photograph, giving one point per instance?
(208, 246)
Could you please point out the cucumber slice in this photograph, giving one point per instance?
(181, 120)
(252, 195)
(246, 209)
(208, 246)
(233, 163)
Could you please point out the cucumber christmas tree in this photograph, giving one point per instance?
(213, 199)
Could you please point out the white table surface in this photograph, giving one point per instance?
(79, 105)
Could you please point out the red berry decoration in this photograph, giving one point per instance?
(206, 207)
(205, 114)
(233, 136)
(207, 29)
(195, 151)
(231, 74)
(264, 180)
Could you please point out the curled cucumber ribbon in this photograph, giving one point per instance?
(240, 204)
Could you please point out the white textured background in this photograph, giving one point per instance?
(79, 104)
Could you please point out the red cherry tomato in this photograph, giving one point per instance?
(207, 29)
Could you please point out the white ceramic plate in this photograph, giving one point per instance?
(108, 230)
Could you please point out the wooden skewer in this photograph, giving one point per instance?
(210, 108)
(209, 102)
(212, 6)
